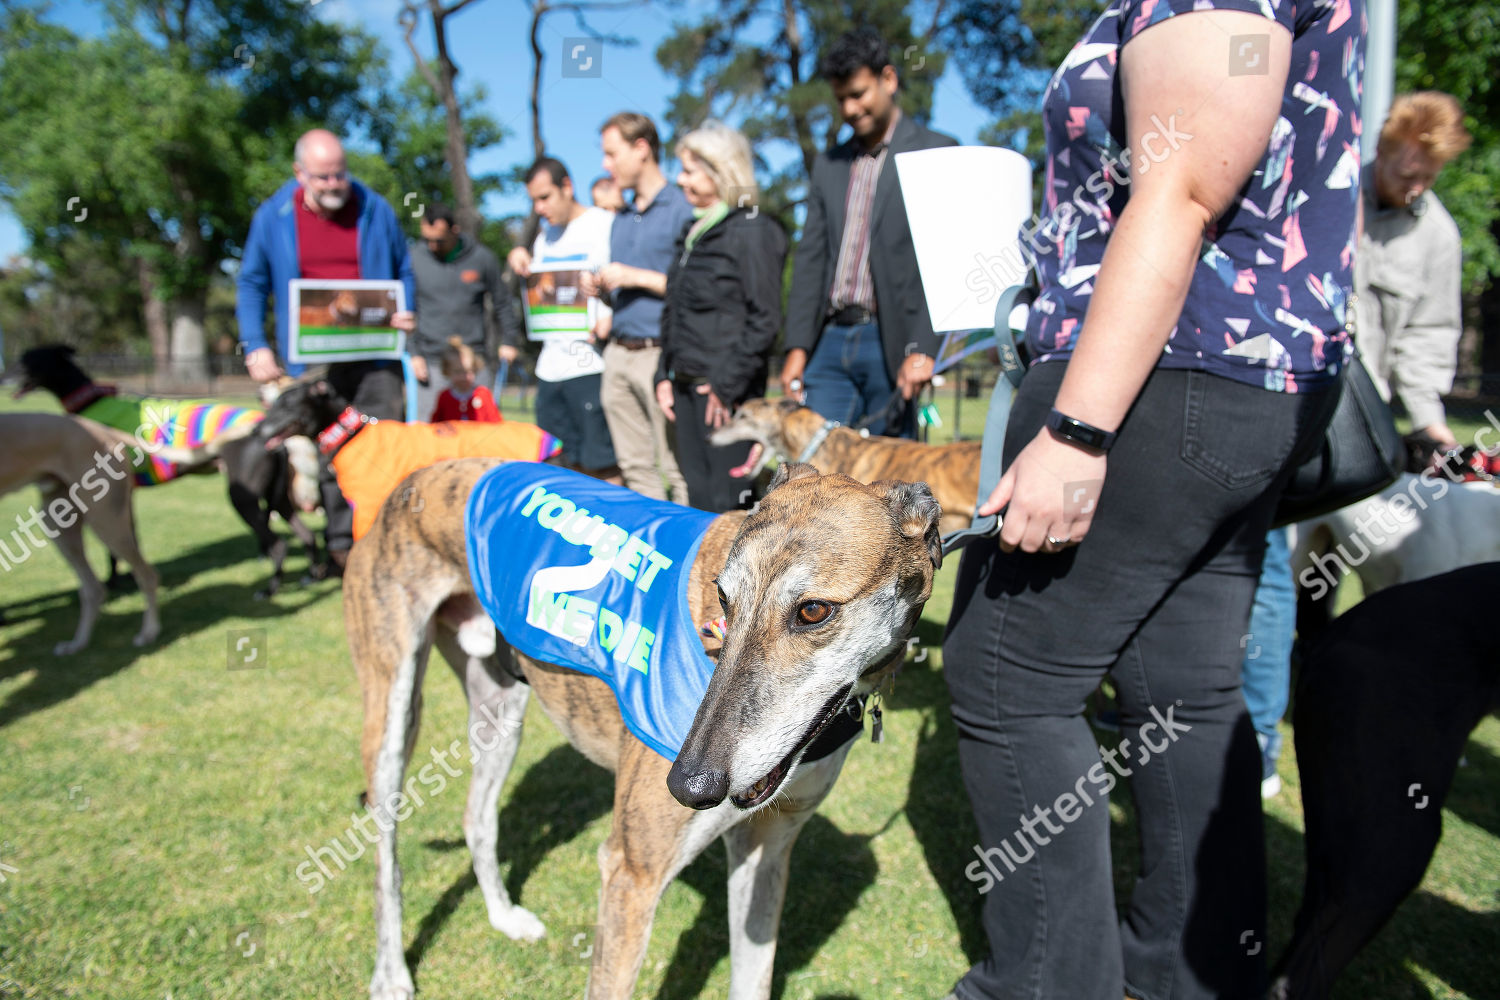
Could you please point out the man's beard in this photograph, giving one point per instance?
(332, 201)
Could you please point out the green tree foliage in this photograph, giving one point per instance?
(155, 140)
(93, 307)
(755, 65)
(1455, 46)
(1007, 50)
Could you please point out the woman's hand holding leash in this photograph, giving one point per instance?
(1051, 490)
(716, 414)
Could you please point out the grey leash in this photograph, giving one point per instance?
(992, 456)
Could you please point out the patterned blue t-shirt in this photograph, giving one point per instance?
(1272, 282)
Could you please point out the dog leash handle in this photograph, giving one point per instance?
(992, 455)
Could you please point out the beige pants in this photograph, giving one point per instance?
(640, 430)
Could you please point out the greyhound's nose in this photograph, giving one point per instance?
(699, 790)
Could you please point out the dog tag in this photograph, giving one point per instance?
(877, 727)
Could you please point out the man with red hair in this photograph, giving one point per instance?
(1407, 270)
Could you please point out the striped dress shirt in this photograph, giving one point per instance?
(853, 284)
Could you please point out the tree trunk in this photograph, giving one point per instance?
(189, 358)
(800, 124)
(469, 220)
(154, 315)
(189, 363)
(538, 147)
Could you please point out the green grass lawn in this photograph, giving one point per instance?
(155, 805)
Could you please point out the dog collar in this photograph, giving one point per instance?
(817, 440)
(337, 434)
(85, 396)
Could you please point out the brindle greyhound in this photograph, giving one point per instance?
(820, 588)
(785, 428)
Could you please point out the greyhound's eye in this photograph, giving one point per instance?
(813, 612)
(723, 602)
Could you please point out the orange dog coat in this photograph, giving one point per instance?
(372, 464)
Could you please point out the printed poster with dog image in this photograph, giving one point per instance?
(555, 303)
(345, 320)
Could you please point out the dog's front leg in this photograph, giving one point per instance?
(652, 839)
(760, 854)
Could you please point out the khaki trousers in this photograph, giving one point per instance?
(640, 430)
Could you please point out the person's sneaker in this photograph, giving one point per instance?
(1270, 781)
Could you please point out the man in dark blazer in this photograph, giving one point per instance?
(857, 329)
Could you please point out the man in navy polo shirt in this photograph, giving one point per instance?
(323, 224)
(641, 245)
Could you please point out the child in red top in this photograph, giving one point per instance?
(463, 399)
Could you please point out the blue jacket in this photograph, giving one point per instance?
(270, 262)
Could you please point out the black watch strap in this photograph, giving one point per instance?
(1077, 430)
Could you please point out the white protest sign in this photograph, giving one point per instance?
(965, 206)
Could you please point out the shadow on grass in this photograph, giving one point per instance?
(936, 805)
(184, 613)
(816, 905)
(555, 800)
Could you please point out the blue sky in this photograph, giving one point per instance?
(489, 42)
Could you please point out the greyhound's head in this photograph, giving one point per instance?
(759, 421)
(301, 410)
(50, 367)
(821, 588)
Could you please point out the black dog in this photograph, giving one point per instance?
(260, 477)
(1381, 720)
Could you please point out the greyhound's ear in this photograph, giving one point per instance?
(788, 405)
(321, 388)
(917, 511)
(787, 471)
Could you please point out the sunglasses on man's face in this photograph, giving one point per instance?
(337, 175)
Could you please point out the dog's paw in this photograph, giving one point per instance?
(146, 636)
(519, 924)
(68, 648)
(394, 985)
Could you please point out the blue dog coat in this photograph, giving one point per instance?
(583, 574)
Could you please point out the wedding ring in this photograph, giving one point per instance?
(1057, 541)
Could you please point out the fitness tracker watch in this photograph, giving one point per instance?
(1076, 430)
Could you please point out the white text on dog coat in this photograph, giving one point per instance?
(554, 609)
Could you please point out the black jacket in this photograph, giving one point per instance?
(900, 304)
(723, 305)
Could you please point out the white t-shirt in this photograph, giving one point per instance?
(585, 241)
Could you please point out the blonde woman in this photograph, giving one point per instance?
(722, 310)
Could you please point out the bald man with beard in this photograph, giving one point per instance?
(323, 224)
